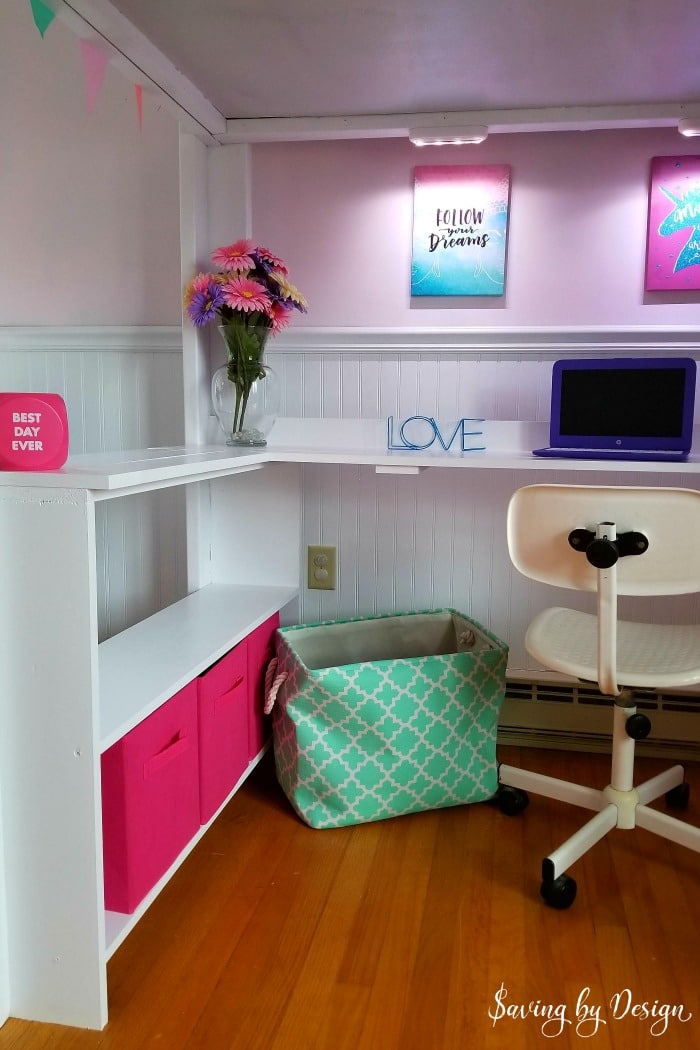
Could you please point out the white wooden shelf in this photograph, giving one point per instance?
(116, 473)
(143, 666)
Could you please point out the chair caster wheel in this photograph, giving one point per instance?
(559, 893)
(638, 727)
(679, 796)
(511, 801)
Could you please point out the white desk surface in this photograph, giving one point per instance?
(358, 442)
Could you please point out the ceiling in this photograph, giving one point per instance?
(330, 58)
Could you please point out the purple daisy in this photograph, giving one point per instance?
(205, 303)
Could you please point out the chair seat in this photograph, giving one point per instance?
(649, 655)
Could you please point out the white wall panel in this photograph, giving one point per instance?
(142, 557)
(408, 542)
(404, 542)
(125, 397)
(369, 385)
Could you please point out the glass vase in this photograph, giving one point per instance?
(245, 391)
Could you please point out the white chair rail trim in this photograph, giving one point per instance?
(86, 338)
(543, 343)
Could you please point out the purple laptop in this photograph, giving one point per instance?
(622, 408)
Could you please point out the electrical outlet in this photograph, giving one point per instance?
(321, 568)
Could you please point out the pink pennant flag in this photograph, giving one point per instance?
(139, 104)
(95, 59)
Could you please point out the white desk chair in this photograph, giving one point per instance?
(610, 541)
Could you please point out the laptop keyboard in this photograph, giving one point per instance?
(558, 452)
(630, 451)
(602, 453)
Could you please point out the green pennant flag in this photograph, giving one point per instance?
(43, 15)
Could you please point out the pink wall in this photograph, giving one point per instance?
(340, 214)
(89, 207)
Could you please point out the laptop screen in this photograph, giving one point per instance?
(623, 403)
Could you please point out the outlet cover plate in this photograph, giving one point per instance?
(321, 570)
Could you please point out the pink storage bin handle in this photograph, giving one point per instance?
(272, 685)
(226, 697)
(154, 765)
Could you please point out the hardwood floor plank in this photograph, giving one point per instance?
(446, 933)
(390, 993)
(319, 989)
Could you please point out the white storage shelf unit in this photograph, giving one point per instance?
(66, 698)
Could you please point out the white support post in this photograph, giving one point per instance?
(49, 759)
(194, 251)
(195, 364)
(230, 191)
(4, 959)
(230, 217)
(215, 209)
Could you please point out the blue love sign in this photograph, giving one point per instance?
(418, 433)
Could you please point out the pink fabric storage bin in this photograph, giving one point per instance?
(222, 704)
(261, 649)
(150, 799)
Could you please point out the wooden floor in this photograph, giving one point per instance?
(420, 933)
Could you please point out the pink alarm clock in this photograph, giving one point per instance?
(33, 432)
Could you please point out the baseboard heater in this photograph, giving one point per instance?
(565, 714)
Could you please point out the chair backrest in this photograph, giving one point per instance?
(540, 518)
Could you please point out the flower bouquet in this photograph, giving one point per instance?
(252, 296)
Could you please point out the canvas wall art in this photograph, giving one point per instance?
(460, 224)
(673, 248)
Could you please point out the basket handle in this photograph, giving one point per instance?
(153, 765)
(272, 684)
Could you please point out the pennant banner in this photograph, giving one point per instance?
(95, 60)
(43, 15)
(139, 104)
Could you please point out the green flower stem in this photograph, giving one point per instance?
(245, 344)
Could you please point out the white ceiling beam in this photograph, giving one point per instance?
(397, 125)
(139, 60)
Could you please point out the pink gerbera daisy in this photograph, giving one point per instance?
(281, 316)
(234, 257)
(200, 283)
(240, 293)
(273, 261)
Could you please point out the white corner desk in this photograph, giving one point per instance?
(67, 697)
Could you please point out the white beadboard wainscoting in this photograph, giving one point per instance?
(403, 542)
(123, 389)
(122, 385)
(497, 373)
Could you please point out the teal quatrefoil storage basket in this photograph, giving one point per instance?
(379, 716)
